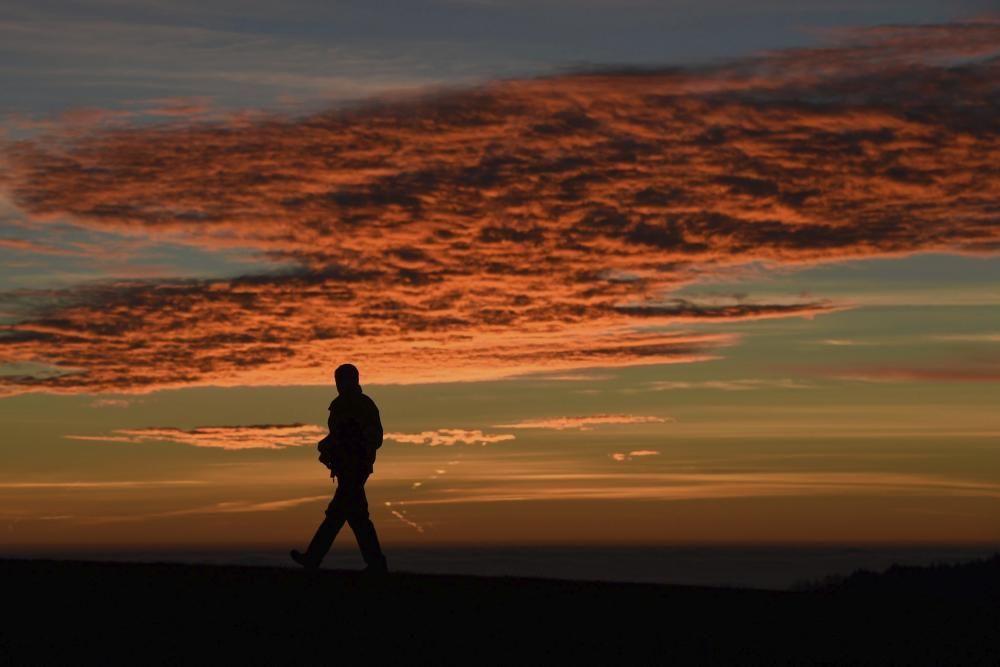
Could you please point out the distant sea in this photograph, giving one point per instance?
(763, 567)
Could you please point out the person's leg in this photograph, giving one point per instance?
(336, 514)
(364, 530)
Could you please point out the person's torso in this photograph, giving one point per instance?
(349, 417)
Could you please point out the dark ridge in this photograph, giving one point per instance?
(59, 612)
(979, 579)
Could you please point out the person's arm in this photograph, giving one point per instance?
(326, 445)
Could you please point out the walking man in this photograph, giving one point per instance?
(349, 452)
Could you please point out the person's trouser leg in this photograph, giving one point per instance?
(336, 515)
(364, 530)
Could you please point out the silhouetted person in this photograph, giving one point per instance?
(349, 452)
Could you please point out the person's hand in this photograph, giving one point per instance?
(326, 458)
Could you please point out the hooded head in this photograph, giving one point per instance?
(347, 378)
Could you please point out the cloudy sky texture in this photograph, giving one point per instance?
(654, 272)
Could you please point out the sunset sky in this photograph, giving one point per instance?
(615, 272)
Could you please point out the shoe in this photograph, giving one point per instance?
(303, 560)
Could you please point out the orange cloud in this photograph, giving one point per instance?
(584, 423)
(448, 437)
(78, 121)
(623, 456)
(745, 384)
(34, 247)
(260, 436)
(525, 226)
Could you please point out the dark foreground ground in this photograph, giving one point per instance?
(96, 613)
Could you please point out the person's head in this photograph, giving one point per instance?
(347, 378)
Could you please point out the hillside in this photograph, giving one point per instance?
(79, 612)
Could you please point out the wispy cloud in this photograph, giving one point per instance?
(990, 337)
(583, 423)
(526, 226)
(635, 485)
(902, 339)
(211, 61)
(447, 437)
(112, 402)
(224, 507)
(744, 384)
(401, 515)
(35, 247)
(844, 342)
(258, 436)
(567, 377)
(235, 507)
(99, 485)
(983, 373)
(281, 436)
(621, 457)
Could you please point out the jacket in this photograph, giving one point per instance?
(355, 433)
